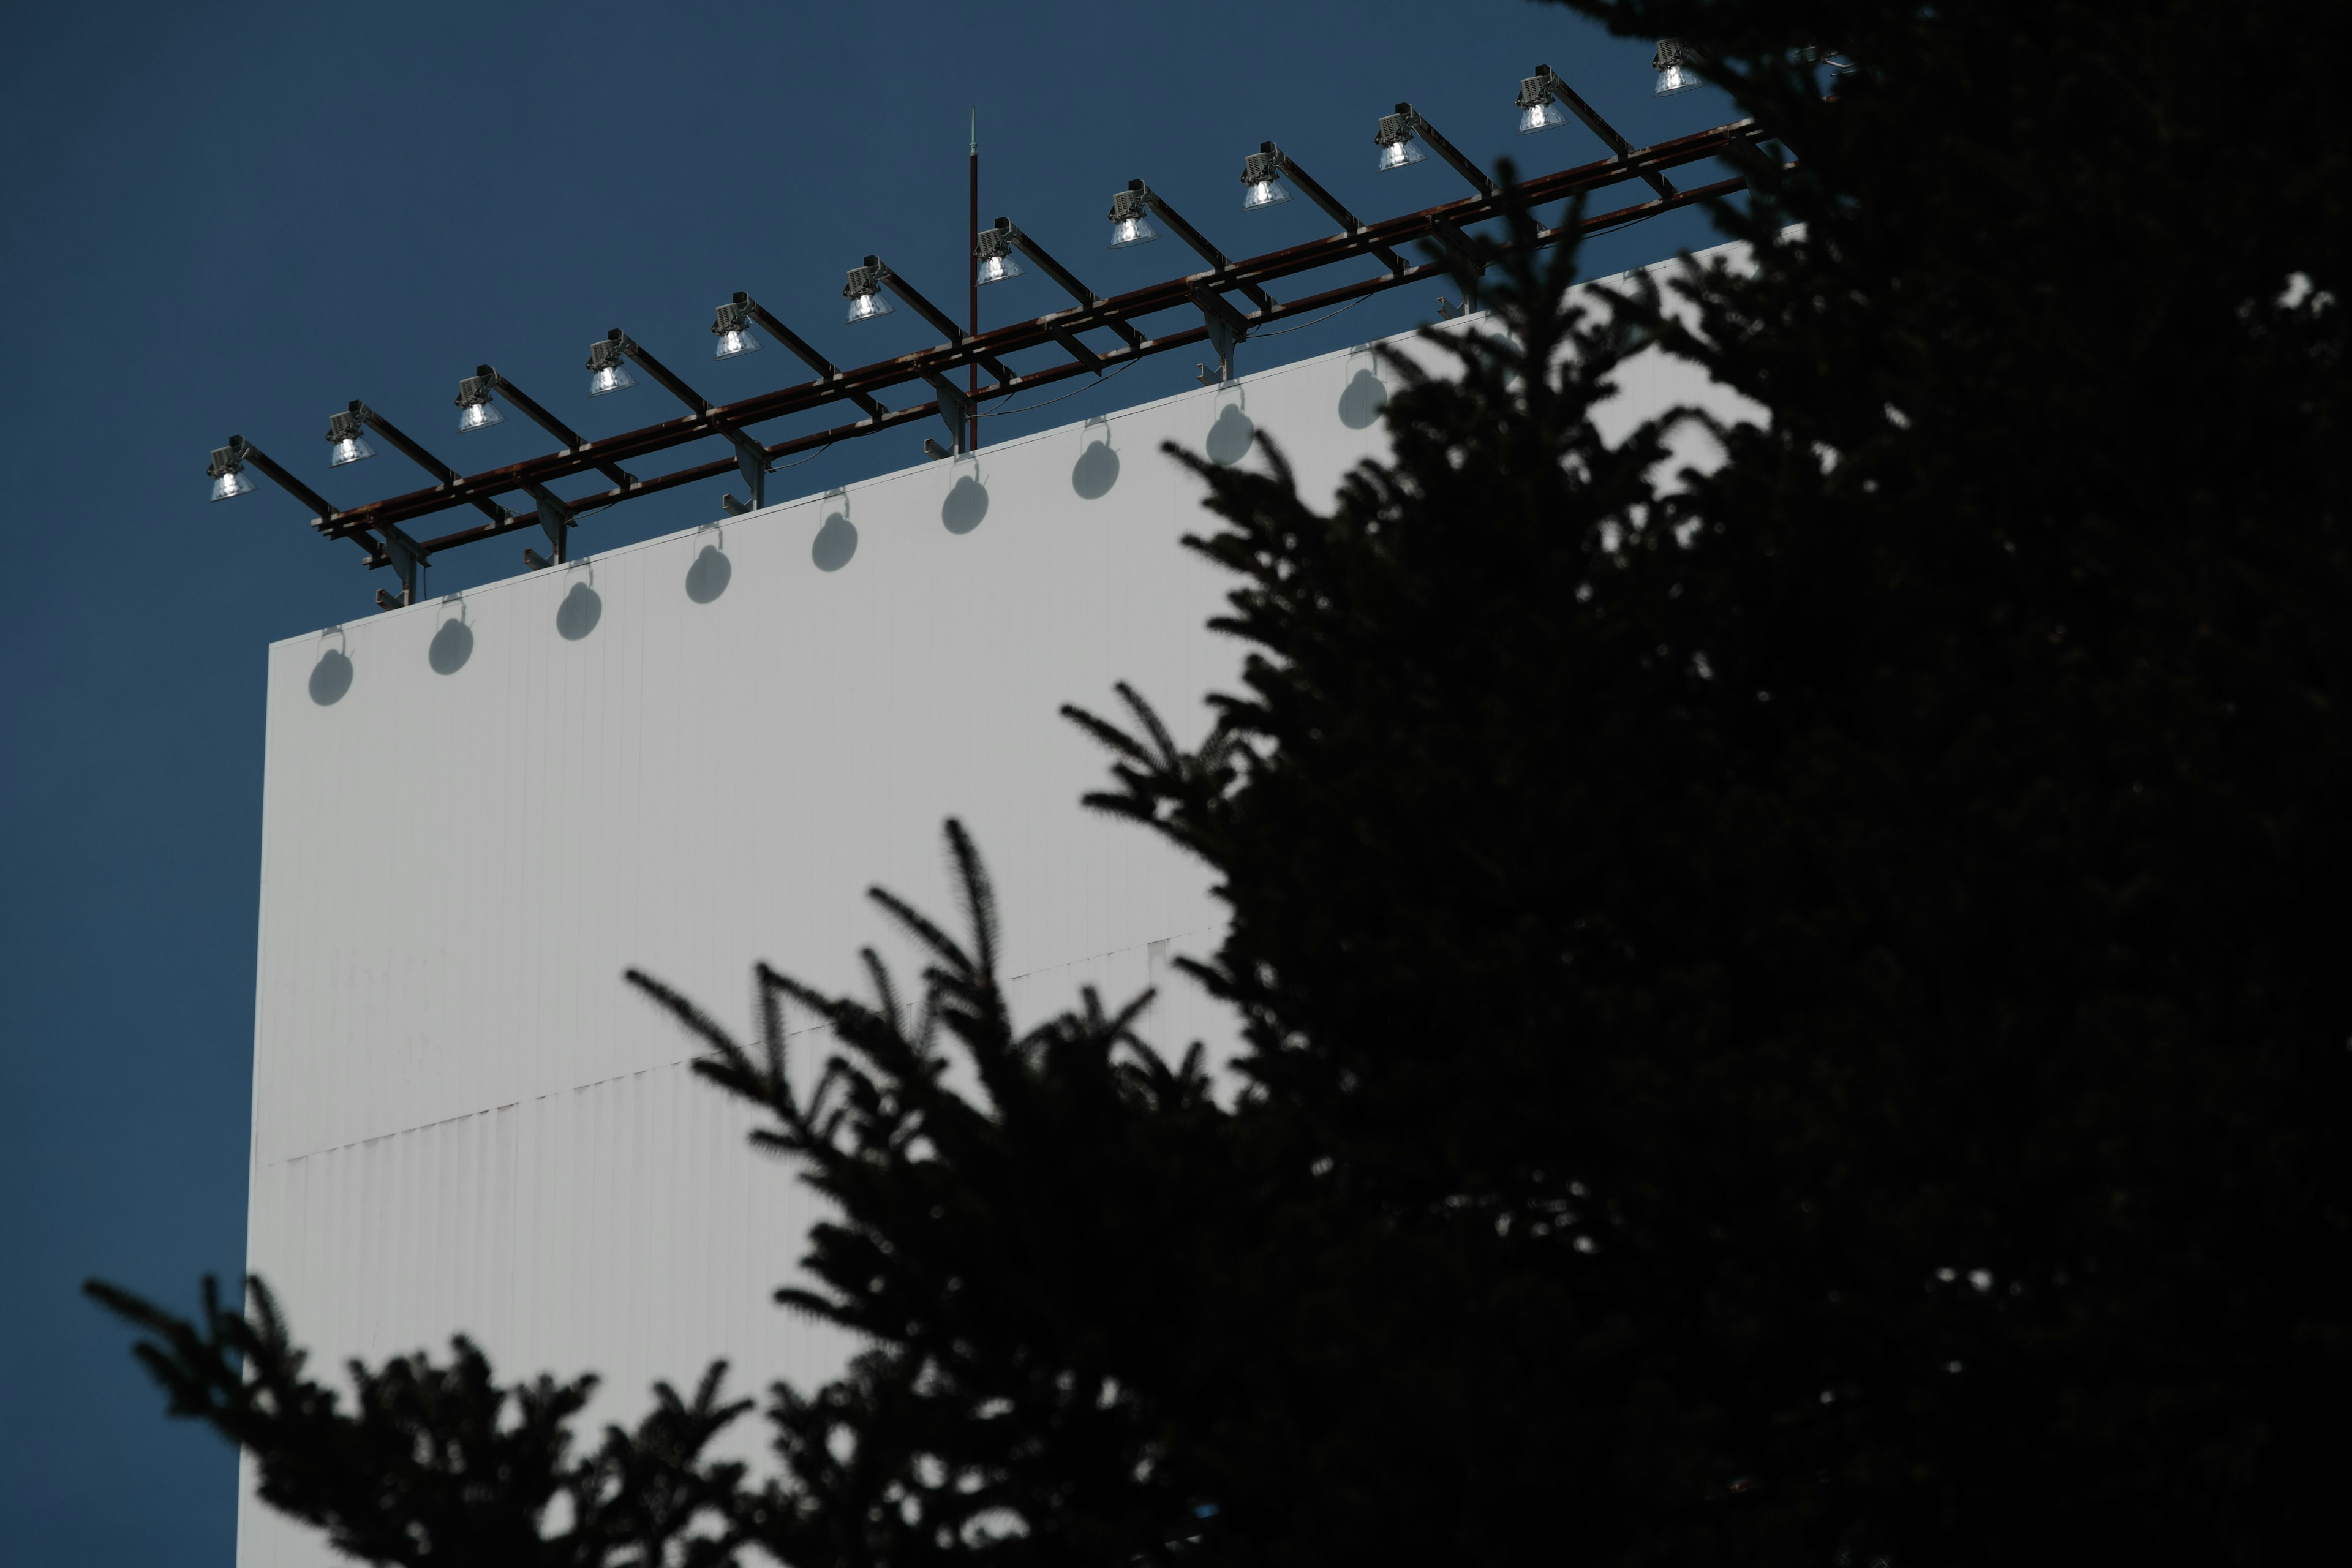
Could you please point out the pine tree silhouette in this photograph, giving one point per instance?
(1779, 1025)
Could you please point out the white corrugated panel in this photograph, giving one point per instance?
(463, 1120)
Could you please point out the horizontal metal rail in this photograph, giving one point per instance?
(363, 524)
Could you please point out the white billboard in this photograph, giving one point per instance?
(686, 755)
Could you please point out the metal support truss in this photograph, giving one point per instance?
(1546, 84)
(1220, 323)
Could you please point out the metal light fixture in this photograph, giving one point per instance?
(1673, 63)
(227, 471)
(475, 409)
(1396, 140)
(864, 291)
(1262, 179)
(1539, 110)
(348, 444)
(606, 373)
(1127, 224)
(1545, 100)
(993, 248)
(733, 329)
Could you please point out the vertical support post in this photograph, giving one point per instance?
(554, 519)
(971, 371)
(408, 558)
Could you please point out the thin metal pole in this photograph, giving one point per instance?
(971, 371)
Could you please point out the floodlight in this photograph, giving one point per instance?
(864, 291)
(606, 373)
(733, 329)
(1396, 140)
(1262, 179)
(1673, 63)
(993, 248)
(1127, 224)
(227, 471)
(475, 409)
(348, 444)
(1539, 110)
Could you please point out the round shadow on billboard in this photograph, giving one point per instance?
(834, 543)
(453, 644)
(580, 610)
(330, 678)
(1097, 471)
(966, 504)
(708, 576)
(1360, 403)
(1231, 436)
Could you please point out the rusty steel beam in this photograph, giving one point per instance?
(918, 367)
(1345, 294)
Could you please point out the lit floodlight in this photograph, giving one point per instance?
(475, 409)
(864, 291)
(1127, 224)
(227, 471)
(994, 249)
(1673, 63)
(733, 329)
(1539, 109)
(349, 446)
(1265, 194)
(606, 373)
(1396, 140)
(1262, 179)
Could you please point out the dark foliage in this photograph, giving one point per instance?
(438, 1464)
(1025, 1263)
(1780, 1024)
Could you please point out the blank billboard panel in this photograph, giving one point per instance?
(687, 755)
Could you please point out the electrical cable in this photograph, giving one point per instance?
(1298, 326)
(1032, 407)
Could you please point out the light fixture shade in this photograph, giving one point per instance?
(480, 415)
(1269, 192)
(231, 483)
(606, 373)
(863, 290)
(1128, 225)
(731, 325)
(475, 409)
(1136, 230)
(1673, 64)
(1541, 115)
(736, 340)
(997, 269)
(351, 448)
(1396, 140)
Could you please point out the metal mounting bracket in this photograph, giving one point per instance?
(956, 408)
(1458, 244)
(555, 518)
(1227, 327)
(752, 462)
(407, 559)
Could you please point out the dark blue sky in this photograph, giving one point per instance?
(236, 219)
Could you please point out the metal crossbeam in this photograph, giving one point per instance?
(929, 368)
(1550, 79)
(1281, 164)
